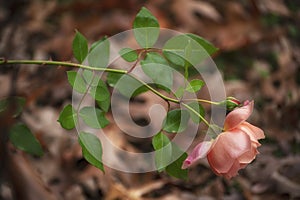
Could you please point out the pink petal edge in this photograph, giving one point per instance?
(238, 115)
(199, 152)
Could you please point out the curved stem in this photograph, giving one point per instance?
(61, 63)
(136, 62)
(81, 100)
(203, 101)
(68, 64)
(154, 90)
(196, 113)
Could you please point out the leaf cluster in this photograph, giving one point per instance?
(181, 54)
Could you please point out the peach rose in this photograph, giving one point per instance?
(234, 148)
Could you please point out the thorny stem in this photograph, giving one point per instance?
(120, 71)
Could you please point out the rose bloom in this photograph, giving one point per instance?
(234, 148)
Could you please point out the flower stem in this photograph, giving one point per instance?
(154, 90)
(196, 113)
(60, 63)
(203, 101)
(68, 64)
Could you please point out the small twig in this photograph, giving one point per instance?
(136, 62)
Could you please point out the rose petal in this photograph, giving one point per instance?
(200, 151)
(235, 142)
(252, 131)
(249, 156)
(238, 115)
(228, 147)
(233, 171)
(219, 163)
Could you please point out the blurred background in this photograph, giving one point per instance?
(259, 58)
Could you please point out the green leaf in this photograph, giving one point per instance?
(102, 95)
(174, 169)
(95, 44)
(91, 149)
(199, 109)
(19, 103)
(126, 85)
(113, 78)
(98, 56)
(163, 153)
(176, 121)
(22, 138)
(179, 92)
(209, 47)
(195, 85)
(93, 117)
(146, 28)
(100, 92)
(104, 105)
(157, 68)
(160, 140)
(187, 48)
(3, 104)
(174, 58)
(80, 47)
(68, 117)
(88, 77)
(128, 54)
(76, 81)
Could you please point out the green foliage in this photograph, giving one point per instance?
(179, 53)
(80, 47)
(113, 78)
(163, 150)
(19, 103)
(157, 68)
(3, 105)
(195, 85)
(91, 149)
(126, 84)
(207, 46)
(100, 92)
(98, 89)
(166, 152)
(22, 138)
(89, 77)
(146, 28)
(93, 117)
(187, 49)
(128, 54)
(68, 117)
(198, 108)
(176, 121)
(104, 105)
(76, 81)
(98, 56)
(179, 92)
(174, 169)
